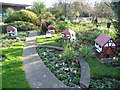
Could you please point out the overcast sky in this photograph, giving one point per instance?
(48, 3)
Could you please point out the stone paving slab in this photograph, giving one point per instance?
(85, 73)
(37, 74)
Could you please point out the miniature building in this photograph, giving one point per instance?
(48, 34)
(51, 28)
(12, 31)
(105, 46)
(68, 35)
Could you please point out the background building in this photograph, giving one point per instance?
(4, 6)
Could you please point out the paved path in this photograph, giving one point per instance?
(37, 74)
(85, 73)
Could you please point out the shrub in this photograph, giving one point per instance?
(20, 25)
(62, 18)
(50, 22)
(62, 25)
(22, 15)
(86, 51)
(69, 54)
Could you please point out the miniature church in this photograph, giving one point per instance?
(105, 46)
(12, 31)
(68, 35)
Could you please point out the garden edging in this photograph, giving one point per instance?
(85, 73)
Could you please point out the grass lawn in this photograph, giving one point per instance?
(13, 75)
(98, 69)
(49, 41)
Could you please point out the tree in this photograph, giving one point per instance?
(56, 10)
(83, 7)
(102, 9)
(116, 9)
(40, 10)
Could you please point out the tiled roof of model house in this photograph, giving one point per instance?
(68, 31)
(51, 26)
(102, 39)
(11, 28)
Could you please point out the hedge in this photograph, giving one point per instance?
(22, 15)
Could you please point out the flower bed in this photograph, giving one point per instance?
(69, 74)
(113, 64)
(103, 83)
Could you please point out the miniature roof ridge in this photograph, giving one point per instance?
(67, 31)
(102, 39)
(51, 26)
(11, 28)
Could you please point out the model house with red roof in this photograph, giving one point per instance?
(68, 34)
(51, 28)
(48, 34)
(12, 31)
(105, 46)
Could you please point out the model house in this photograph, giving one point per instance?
(12, 31)
(105, 46)
(48, 34)
(68, 35)
(51, 28)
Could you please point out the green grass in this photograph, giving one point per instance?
(49, 41)
(13, 75)
(98, 69)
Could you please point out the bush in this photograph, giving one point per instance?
(50, 22)
(22, 15)
(69, 54)
(86, 51)
(62, 18)
(20, 25)
(62, 25)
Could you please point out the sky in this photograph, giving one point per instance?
(48, 3)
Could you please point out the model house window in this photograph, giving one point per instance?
(99, 49)
(106, 45)
(68, 36)
(64, 40)
(62, 35)
(113, 44)
(96, 45)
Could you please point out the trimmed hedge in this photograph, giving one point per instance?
(20, 25)
(22, 15)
